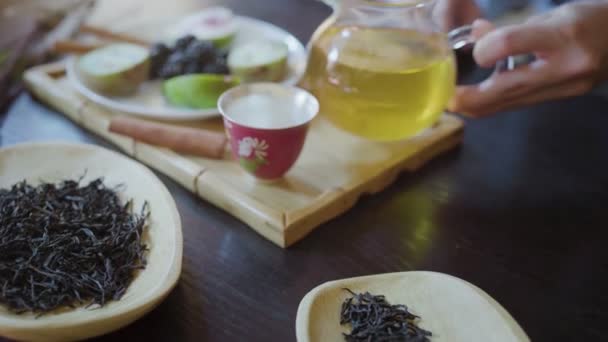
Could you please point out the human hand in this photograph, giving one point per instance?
(450, 14)
(571, 57)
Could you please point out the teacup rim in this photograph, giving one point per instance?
(293, 88)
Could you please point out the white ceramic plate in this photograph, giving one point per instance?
(57, 161)
(452, 309)
(149, 101)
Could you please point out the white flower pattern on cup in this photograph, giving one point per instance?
(253, 152)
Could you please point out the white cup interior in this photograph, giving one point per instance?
(268, 105)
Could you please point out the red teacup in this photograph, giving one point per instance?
(267, 124)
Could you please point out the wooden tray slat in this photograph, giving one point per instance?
(334, 170)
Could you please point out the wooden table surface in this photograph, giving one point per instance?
(519, 210)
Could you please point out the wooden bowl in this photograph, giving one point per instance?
(452, 309)
(57, 161)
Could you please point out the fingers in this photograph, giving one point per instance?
(514, 40)
(501, 88)
(559, 91)
(566, 64)
(516, 99)
(481, 27)
(567, 89)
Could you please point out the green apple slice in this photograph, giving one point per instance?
(197, 90)
(259, 61)
(115, 69)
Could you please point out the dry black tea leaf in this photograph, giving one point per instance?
(64, 245)
(373, 319)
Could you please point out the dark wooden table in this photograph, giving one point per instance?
(519, 210)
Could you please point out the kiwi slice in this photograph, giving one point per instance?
(259, 61)
(115, 69)
(197, 90)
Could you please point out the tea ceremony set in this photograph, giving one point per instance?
(277, 139)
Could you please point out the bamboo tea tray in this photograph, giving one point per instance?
(333, 171)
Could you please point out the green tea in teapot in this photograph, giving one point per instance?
(380, 83)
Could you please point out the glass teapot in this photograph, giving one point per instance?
(381, 69)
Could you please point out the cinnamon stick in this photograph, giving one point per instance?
(199, 142)
(72, 46)
(103, 33)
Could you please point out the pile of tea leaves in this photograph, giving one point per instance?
(65, 245)
(372, 319)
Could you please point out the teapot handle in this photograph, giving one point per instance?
(461, 38)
